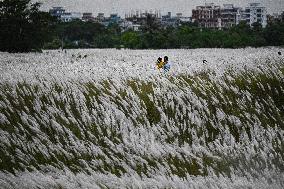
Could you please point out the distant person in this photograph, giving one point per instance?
(160, 63)
(279, 53)
(167, 64)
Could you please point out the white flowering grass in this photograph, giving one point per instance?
(109, 119)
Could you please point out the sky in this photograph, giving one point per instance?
(125, 6)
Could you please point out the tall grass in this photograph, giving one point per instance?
(182, 128)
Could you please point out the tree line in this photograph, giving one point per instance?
(78, 34)
(25, 28)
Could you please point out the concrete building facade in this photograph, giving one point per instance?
(230, 15)
(255, 13)
(207, 16)
(88, 17)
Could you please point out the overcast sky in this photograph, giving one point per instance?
(124, 6)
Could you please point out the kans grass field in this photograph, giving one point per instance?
(109, 119)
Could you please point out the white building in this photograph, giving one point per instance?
(185, 19)
(128, 25)
(255, 13)
(136, 27)
(70, 16)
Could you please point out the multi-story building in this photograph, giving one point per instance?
(182, 19)
(88, 17)
(274, 18)
(140, 18)
(174, 21)
(101, 16)
(230, 15)
(255, 13)
(168, 20)
(207, 16)
(64, 16)
(168, 16)
(70, 16)
(128, 25)
(114, 18)
(179, 15)
(57, 11)
(211, 16)
(106, 21)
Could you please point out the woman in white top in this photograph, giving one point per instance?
(167, 64)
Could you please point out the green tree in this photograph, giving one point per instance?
(82, 31)
(274, 34)
(114, 29)
(106, 41)
(130, 39)
(24, 27)
(232, 40)
(184, 36)
(257, 27)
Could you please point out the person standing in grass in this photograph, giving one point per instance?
(167, 64)
(160, 63)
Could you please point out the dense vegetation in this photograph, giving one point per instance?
(24, 27)
(78, 34)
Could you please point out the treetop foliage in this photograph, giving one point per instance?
(24, 27)
(78, 34)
